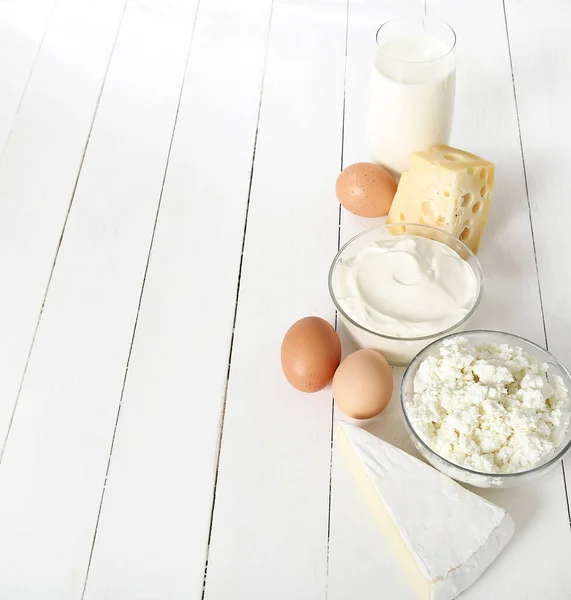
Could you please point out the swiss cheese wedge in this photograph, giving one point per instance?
(447, 188)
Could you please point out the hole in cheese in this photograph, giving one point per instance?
(427, 210)
(452, 157)
(467, 199)
(402, 217)
(483, 190)
(483, 173)
(396, 229)
(477, 207)
(441, 220)
(470, 171)
(465, 233)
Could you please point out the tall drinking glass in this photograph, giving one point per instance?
(411, 97)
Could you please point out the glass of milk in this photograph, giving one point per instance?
(411, 97)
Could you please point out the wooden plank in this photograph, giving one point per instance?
(155, 521)
(360, 562)
(539, 509)
(543, 92)
(55, 462)
(38, 172)
(22, 29)
(485, 123)
(269, 535)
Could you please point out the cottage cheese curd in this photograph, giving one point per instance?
(488, 407)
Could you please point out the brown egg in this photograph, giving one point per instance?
(366, 189)
(311, 351)
(363, 384)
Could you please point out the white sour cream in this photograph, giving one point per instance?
(409, 286)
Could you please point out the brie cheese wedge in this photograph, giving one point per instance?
(443, 536)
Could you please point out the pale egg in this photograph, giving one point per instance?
(363, 384)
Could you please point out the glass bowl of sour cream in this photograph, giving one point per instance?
(398, 288)
(488, 408)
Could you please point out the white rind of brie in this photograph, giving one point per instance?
(443, 535)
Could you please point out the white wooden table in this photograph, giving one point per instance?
(167, 210)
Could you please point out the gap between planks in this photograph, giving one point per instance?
(247, 211)
(48, 21)
(332, 423)
(531, 222)
(140, 301)
(56, 255)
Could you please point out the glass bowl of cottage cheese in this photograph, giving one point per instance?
(488, 408)
(397, 288)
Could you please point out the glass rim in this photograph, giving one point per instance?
(560, 453)
(424, 18)
(477, 268)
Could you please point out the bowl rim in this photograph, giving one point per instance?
(477, 268)
(550, 358)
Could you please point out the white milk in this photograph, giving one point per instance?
(411, 99)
